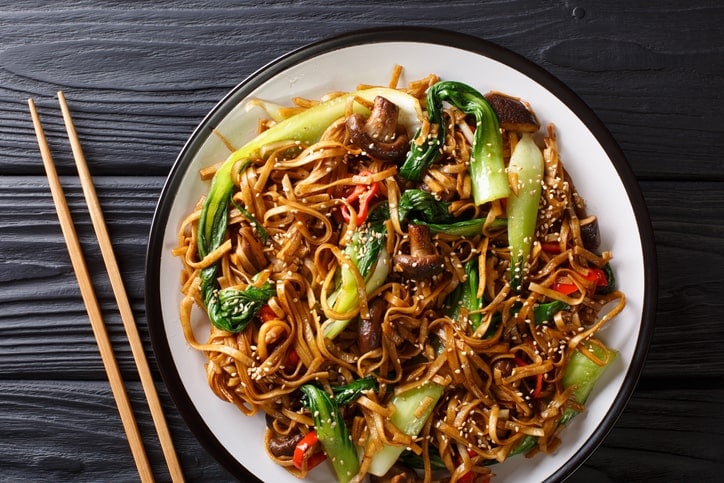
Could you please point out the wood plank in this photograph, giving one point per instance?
(77, 435)
(138, 91)
(657, 439)
(687, 220)
(65, 415)
(38, 290)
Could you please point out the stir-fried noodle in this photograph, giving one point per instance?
(291, 219)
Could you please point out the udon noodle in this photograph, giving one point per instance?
(295, 210)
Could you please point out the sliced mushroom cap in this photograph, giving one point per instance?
(423, 261)
(382, 123)
(283, 445)
(379, 136)
(590, 234)
(512, 113)
(369, 330)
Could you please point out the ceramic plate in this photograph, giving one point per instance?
(590, 154)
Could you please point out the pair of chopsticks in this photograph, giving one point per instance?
(94, 313)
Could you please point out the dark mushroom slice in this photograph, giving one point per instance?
(513, 115)
(382, 123)
(505, 366)
(369, 330)
(590, 235)
(423, 261)
(284, 444)
(379, 136)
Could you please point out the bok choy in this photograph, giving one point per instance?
(305, 127)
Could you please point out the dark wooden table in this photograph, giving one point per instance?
(140, 77)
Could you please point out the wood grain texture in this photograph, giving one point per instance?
(140, 77)
(143, 77)
(82, 437)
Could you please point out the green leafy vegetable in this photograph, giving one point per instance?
(349, 393)
(610, 285)
(526, 165)
(367, 252)
(409, 458)
(487, 168)
(582, 373)
(415, 204)
(422, 208)
(545, 312)
(526, 444)
(305, 127)
(464, 299)
(332, 432)
(232, 310)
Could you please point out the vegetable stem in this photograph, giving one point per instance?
(305, 127)
(526, 170)
(367, 251)
(487, 167)
(582, 373)
(408, 418)
(332, 432)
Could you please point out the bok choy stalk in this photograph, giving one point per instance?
(368, 253)
(332, 432)
(581, 373)
(412, 409)
(487, 167)
(305, 127)
(526, 172)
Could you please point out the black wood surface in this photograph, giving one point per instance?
(141, 76)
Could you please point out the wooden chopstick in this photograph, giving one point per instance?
(74, 249)
(124, 306)
(94, 313)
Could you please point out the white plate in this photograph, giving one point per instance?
(590, 154)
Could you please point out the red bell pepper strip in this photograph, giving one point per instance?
(594, 275)
(597, 275)
(364, 194)
(266, 314)
(467, 477)
(305, 445)
(292, 358)
(565, 288)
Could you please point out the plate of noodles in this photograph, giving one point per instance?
(401, 251)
